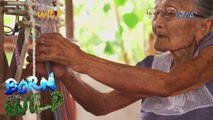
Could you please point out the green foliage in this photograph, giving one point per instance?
(113, 29)
(9, 57)
(131, 19)
(109, 48)
(120, 2)
(120, 31)
(106, 7)
(9, 20)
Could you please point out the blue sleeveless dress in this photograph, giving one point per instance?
(194, 105)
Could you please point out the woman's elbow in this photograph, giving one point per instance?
(169, 87)
(166, 92)
(98, 112)
(164, 89)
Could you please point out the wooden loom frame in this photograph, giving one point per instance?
(12, 70)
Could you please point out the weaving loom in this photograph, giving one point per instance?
(39, 16)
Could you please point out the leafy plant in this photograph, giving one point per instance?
(115, 29)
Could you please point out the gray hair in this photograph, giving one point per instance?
(205, 8)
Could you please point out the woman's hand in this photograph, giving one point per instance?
(53, 47)
(59, 71)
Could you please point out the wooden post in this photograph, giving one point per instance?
(69, 15)
(69, 18)
(1, 44)
(13, 66)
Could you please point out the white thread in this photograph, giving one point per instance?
(32, 20)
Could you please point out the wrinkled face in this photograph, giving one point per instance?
(174, 33)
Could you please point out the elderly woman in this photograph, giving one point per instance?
(174, 85)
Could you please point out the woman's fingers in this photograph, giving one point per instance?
(29, 58)
(49, 39)
(54, 57)
(39, 50)
(53, 47)
(45, 53)
(40, 68)
(30, 52)
(43, 50)
(29, 67)
(42, 58)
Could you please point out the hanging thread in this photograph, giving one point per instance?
(32, 20)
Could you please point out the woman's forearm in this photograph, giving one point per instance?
(85, 95)
(139, 80)
(125, 78)
(94, 101)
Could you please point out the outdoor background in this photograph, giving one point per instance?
(117, 30)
